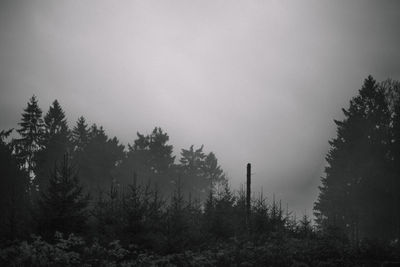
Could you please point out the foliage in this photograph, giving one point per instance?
(358, 190)
(63, 207)
(55, 142)
(14, 199)
(31, 132)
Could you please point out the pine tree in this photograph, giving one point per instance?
(305, 228)
(200, 172)
(99, 159)
(80, 135)
(212, 171)
(151, 158)
(63, 206)
(191, 169)
(14, 199)
(31, 132)
(55, 143)
(395, 162)
(353, 195)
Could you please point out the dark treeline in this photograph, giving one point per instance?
(88, 200)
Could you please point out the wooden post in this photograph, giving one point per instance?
(248, 193)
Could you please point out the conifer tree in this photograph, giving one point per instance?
(99, 160)
(151, 158)
(191, 169)
(395, 165)
(200, 171)
(31, 132)
(353, 195)
(212, 171)
(80, 135)
(14, 200)
(63, 206)
(55, 143)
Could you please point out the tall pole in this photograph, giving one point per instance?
(248, 192)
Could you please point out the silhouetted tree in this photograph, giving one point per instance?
(200, 172)
(80, 135)
(213, 171)
(354, 194)
(219, 212)
(63, 206)
(99, 159)
(55, 143)
(31, 132)
(150, 157)
(305, 228)
(191, 170)
(394, 88)
(14, 199)
(260, 220)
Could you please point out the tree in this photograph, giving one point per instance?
(150, 157)
(218, 213)
(200, 172)
(99, 159)
(192, 170)
(63, 207)
(213, 172)
(14, 200)
(392, 89)
(353, 194)
(80, 135)
(31, 132)
(55, 143)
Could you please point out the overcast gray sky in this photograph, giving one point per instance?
(254, 81)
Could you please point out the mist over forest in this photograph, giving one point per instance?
(201, 133)
(69, 186)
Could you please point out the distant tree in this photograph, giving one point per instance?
(63, 206)
(31, 132)
(55, 143)
(14, 199)
(150, 157)
(354, 193)
(200, 172)
(99, 159)
(212, 171)
(192, 171)
(80, 135)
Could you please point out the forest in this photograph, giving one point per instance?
(74, 196)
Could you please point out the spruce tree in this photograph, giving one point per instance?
(55, 143)
(151, 158)
(14, 198)
(99, 159)
(80, 135)
(353, 194)
(395, 166)
(63, 206)
(31, 132)
(191, 168)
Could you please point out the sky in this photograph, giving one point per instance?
(254, 81)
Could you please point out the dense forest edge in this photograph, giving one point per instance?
(73, 196)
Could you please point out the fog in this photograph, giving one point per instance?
(254, 81)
